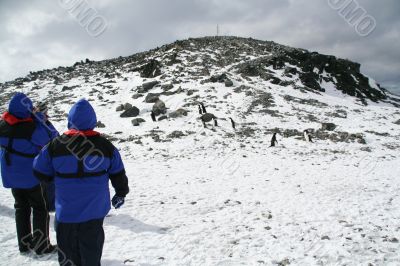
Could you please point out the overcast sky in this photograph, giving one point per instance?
(39, 34)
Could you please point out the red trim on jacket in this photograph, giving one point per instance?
(86, 133)
(12, 120)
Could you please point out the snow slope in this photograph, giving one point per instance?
(218, 196)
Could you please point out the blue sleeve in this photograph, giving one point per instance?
(52, 130)
(43, 167)
(40, 137)
(45, 131)
(117, 175)
(117, 165)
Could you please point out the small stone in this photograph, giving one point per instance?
(228, 83)
(152, 98)
(99, 124)
(137, 121)
(161, 118)
(131, 112)
(120, 108)
(328, 126)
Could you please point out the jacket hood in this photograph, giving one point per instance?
(20, 106)
(82, 116)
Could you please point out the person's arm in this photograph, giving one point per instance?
(43, 167)
(118, 179)
(53, 131)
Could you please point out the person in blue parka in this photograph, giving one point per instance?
(82, 162)
(22, 136)
(41, 116)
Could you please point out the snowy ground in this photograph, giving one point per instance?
(308, 209)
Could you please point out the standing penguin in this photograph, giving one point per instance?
(200, 110)
(203, 108)
(307, 136)
(233, 123)
(274, 140)
(205, 118)
(153, 116)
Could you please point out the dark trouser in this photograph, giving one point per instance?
(80, 244)
(49, 187)
(27, 200)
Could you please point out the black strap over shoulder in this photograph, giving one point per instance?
(81, 172)
(20, 131)
(12, 151)
(76, 175)
(23, 130)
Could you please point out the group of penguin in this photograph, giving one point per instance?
(208, 117)
(306, 133)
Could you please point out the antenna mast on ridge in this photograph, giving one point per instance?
(217, 30)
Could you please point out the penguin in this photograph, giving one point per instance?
(204, 108)
(200, 110)
(233, 123)
(274, 140)
(307, 136)
(153, 116)
(205, 118)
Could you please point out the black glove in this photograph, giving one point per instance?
(117, 201)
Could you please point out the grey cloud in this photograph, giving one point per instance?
(140, 25)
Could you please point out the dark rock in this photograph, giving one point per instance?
(338, 114)
(228, 83)
(397, 122)
(66, 88)
(178, 113)
(99, 124)
(151, 70)
(287, 133)
(120, 108)
(191, 92)
(310, 80)
(176, 134)
(131, 112)
(137, 96)
(163, 117)
(127, 106)
(137, 121)
(290, 71)
(218, 78)
(147, 86)
(242, 88)
(167, 87)
(152, 98)
(159, 108)
(265, 100)
(328, 126)
(284, 262)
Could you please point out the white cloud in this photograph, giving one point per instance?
(28, 23)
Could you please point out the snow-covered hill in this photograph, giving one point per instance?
(220, 196)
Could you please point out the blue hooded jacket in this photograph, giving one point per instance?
(81, 162)
(21, 139)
